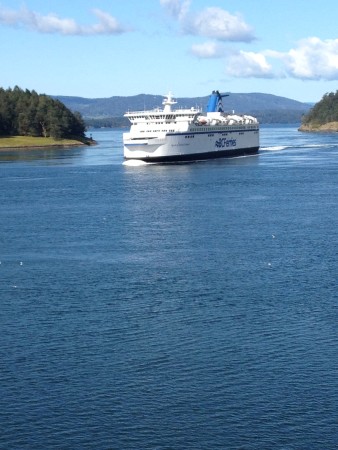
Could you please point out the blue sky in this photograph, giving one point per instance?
(104, 48)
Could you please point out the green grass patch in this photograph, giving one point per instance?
(32, 142)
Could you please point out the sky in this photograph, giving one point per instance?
(105, 48)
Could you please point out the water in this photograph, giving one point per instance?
(163, 307)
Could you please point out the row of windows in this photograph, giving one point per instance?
(192, 130)
(162, 117)
(157, 131)
(197, 130)
(229, 128)
(154, 123)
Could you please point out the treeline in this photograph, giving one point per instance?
(26, 113)
(108, 122)
(325, 111)
(278, 116)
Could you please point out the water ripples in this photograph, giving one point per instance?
(169, 307)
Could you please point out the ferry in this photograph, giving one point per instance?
(165, 134)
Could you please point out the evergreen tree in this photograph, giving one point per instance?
(27, 113)
(325, 111)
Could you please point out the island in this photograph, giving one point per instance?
(323, 117)
(30, 120)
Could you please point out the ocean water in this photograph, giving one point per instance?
(165, 307)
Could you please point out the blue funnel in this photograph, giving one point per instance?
(215, 102)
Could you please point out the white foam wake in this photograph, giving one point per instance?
(134, 162)
(275, 148)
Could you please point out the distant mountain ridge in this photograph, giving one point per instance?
(253, 103)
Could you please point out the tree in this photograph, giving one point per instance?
(325, 111)
(27, 113)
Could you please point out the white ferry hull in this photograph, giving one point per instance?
(167, 135)
(190, 146)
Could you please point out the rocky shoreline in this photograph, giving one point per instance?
(331, 127)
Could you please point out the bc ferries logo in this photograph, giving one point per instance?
(224, 142)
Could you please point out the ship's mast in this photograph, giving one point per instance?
(167, 102)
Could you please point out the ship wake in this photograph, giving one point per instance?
(134, 162)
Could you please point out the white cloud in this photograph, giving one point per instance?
(176, 8)
(8, 16)
(216, 23)
(249, 65)
(313, 59)
(209, 49)
(51, 23)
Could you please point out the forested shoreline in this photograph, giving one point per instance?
(323, 116)
(27, 113)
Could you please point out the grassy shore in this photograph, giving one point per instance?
(331, 127)
(29, 142)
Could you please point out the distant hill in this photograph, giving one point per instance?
(266, 107)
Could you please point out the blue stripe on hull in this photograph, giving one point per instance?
(199, 156)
